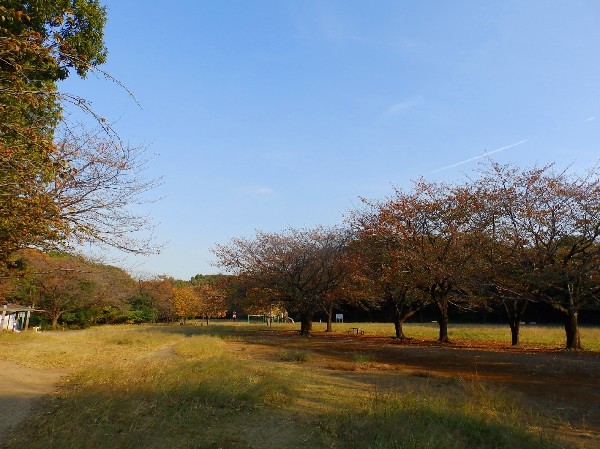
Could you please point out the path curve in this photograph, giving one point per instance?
(20, 389)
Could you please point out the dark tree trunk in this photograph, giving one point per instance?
(398, 326)
(571, 310)
(515, 310)
(515, 328)
(329, 313)
(402, 311)
(306, 324)
(572, 329)
(442, 305)
(399, 319)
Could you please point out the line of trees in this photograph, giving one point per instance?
(508, 238)
(71, 291)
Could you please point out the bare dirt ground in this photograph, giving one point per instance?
(559, 383)
(21, 389)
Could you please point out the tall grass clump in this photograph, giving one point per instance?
(295, 355)
(456, 415)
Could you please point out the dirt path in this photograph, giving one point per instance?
(20, 389)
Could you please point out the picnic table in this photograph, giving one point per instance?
(356, 331)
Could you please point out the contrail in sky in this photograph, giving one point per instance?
(487, 153)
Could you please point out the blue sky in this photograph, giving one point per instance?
(267, 114)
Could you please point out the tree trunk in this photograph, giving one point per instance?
(442, 306)
(329, 313)
(398, 326)
(398, 318)
(514, 313)
(515, 327)
(55, 321)
(398, 322)
(306, 324)
(572, 329)
(402, 311)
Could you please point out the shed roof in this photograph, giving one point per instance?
(14, 308)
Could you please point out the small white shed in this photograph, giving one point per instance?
(15, 317)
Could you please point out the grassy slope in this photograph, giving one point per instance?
(179, 387)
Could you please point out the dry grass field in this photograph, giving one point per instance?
(233, 385)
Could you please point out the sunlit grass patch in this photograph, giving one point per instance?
(363, 359)
(532, 335)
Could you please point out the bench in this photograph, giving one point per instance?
(355, 331)
(402, 339)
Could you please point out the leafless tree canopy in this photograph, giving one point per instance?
(101, 186)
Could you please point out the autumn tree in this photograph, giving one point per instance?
(60, 184)
(212, 299)
(157, 293)
(546, 239)
(381, 275)
(40, 43)
(186, 302)
(113, 289)
(505, 272)
(433, 233)
(298, 267)
(63, 284)
(102, 182)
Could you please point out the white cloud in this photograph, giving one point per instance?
(589, 119)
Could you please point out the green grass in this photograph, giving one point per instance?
(363, 359)
(210, 387)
